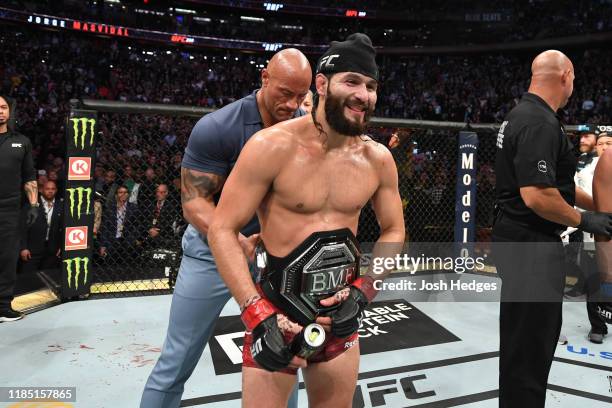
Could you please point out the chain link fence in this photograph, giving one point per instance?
(138, 221)
(137, 247)
(426, 161)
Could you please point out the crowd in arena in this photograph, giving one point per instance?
(43, 71)
(546, 19)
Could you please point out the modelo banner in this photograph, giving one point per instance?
(465, 202)
(81, 134)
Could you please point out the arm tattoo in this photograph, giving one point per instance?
(198, 184)
(31, 189)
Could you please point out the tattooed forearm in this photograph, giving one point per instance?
(31, 189)
(199, 184)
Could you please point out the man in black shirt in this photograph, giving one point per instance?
(535, 167)
(16, 172)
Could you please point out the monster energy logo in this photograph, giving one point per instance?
(79, 191)
(80, 132)
(80, 265)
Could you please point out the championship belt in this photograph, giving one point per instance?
(319, 267)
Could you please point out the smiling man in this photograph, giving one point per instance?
(308, 179)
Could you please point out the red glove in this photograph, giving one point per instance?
(366, 286)
(268, 349)
(256, 313)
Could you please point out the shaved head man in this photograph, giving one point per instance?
(552, 78)
(284, 85)
(212, 151)
(536, 193)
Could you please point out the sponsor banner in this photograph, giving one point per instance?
(81, 135)
(169, 38)
(386, 326)
(77, 271)
(79, 168)
(79, 202)
(76, 238)
(465, 203)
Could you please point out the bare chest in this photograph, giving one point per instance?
(340, 183)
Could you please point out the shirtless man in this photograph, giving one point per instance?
(602, 197)
(308, 179)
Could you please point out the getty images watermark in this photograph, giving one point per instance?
(448, 271)
(431, 273)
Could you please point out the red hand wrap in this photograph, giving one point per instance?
(366, 286)
(257, 313)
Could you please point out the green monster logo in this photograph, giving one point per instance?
(80, 192)
(80, 132)
(80, 264)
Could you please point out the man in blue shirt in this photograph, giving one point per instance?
(213, 148)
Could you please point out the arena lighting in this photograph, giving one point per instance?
(204, 19)
(272, 6)
(47, 21)
(257, 19)
(184, 11)
(143, 11)
(110, 30)
(175, 38)
(272, 46)
(113, 1)
(355, 13)
(100, 28)
(292, 27)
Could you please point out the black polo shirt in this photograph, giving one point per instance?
(533, 150)
(16, 168)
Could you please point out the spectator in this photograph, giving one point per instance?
(160, 219)
(146, 190)
(128, 178)
(98, 177)
(40, 244)
(119, 228)
(109, 188)
(53, 175)
(97, 215)
(41, 180)
(307, 103)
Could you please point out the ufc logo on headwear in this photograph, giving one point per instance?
(326, 60)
